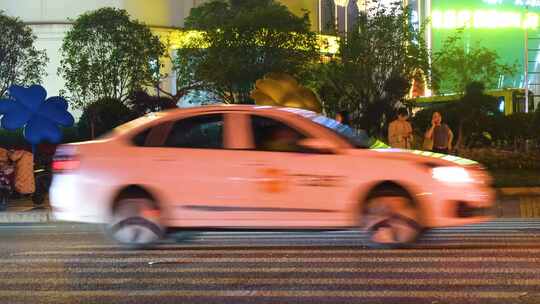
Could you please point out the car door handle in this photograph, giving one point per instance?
(164, 159)
(254, 164)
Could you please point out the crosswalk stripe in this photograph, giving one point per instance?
(484, 230)
(309, 265)
(360, 244)
(273, 282)
(370, 252)
(441, 236)
(265, 293)
(373, 259)
(320, 270)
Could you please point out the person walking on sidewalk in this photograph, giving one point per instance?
(400, 131)
(439, 136)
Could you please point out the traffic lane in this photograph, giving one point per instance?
(244, 268)
(17, 237)
(173, 282)
(501, 233)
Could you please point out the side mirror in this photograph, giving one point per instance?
(317, 144)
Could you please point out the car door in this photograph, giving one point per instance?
(192, 166)
(291, 185)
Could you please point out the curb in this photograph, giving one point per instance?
(517, 191)
(19, 217)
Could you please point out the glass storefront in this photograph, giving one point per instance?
(496, 24)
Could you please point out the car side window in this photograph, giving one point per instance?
(139, 140)
(154, 136)
(198, 132)
(275, 136)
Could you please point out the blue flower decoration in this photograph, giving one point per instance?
(40, 118)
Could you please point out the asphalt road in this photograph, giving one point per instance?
(497, 262)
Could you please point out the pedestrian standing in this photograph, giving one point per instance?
(439, 135)
(400, 133)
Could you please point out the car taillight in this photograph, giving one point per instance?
(60, 165)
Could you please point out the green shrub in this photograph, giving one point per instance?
(496, 159)
(12, 139)
(102, 116)
(493, 130)
(141, 103)
(71, 134)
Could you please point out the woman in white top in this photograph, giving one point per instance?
(400, 131)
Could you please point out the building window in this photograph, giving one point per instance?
(353, 12)
(327, 18)
(338, 15)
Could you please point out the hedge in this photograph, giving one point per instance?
(496, 159)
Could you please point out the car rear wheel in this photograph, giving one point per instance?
(136, 222)
(391, 220)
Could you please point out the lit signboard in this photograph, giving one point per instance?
(483, 19)
(530, 3)
(496, 24)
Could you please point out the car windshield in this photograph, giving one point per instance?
(130, 125)
(358, 138)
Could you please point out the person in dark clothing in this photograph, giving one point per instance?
(440, 135)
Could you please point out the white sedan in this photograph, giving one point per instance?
(253, 167)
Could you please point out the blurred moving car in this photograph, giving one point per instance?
(244, 167)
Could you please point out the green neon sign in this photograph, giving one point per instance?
(483, 19)
(495, 24)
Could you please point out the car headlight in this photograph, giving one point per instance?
(452, 175)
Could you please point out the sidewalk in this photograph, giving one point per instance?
(24, 211)
(518, 202)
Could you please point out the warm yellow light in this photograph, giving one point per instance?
(328, 44)
(531, 21)
(343, 3)
(184, 39)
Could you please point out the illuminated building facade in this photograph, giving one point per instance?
(497, 24)
(500, 25)
(51, 19)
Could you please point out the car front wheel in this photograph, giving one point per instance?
(391, 220)
(136, 222)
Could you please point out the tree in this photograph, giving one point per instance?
(244, 40)
(377, 62)
(106, 54)
(102, 116)
(473, 113)
(184, 62)
(142, 103)
(20, 62)
(456, 65)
